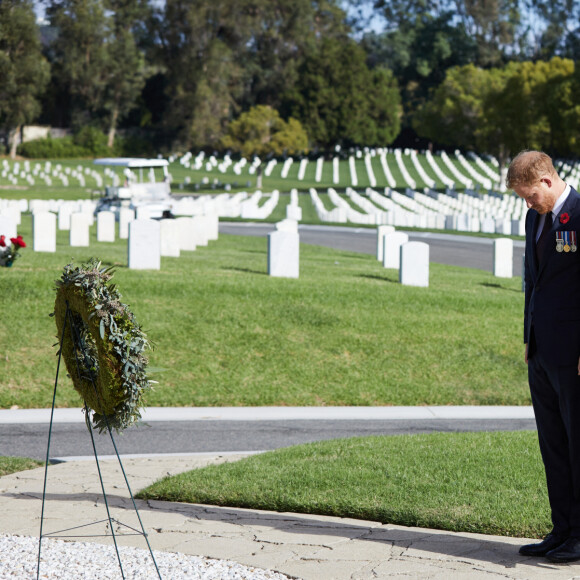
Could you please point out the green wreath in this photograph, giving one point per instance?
(103, 346)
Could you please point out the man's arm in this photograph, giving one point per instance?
(528, 285)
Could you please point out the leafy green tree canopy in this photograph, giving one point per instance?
(340, 100)
(504, 110)
(24, 72)
(261, 131)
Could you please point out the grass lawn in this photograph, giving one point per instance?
(345, 333)
(491, 483)
(10, 465)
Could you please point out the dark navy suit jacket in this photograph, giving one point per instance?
(552, 289)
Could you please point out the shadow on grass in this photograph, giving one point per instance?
(245, 270)
(380, 278)
(500, 287)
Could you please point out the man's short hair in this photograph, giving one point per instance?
(527, 167)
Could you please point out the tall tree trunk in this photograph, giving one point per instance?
(113, 127)
(14, 141)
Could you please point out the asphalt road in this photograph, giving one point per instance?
(159, 437)
(451, 249)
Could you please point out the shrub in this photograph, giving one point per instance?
(88, 142)
(51, 149)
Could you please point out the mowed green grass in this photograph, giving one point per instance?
(491, 483)
(344, 333)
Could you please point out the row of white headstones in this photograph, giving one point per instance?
(487, 213)
(148, 239)
(394, 250)
(447, 173)
(503, 214)
(47, 172)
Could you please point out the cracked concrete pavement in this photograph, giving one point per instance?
(310, 547)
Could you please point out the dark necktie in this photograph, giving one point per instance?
(542, 243)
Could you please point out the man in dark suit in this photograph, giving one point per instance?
(552, 340)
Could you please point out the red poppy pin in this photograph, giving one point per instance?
(564, 218)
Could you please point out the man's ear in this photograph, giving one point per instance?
(547, 180)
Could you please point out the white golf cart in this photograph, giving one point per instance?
(142, 186)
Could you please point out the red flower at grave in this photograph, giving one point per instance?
(564, 218)
(9, 253)
(18, 241)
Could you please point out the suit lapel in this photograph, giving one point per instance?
(533, 243)
(569, 207)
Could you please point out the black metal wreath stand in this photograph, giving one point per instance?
(109, 519)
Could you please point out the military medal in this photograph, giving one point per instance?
(566, 241)
(559, 242)
(573, 245)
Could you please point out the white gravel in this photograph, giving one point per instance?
(85, 561)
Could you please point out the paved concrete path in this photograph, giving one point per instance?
(302, 546)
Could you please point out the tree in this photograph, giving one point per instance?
(418, 48)
(126, 71)
(97, 58)
(262, 132)
(339, 100)
(80, 57)
(223, 57)
(24, 72)
(455, 110)
(493, 25)
(504, 110)
(540, 103)
(551, 28)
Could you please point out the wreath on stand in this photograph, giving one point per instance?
(103, 346)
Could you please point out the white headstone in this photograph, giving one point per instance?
(414, 270)
(105, 226)
(184, 225)
(519, 227)
(382, 231)
(64, 213)
(7, 227)
(488, 225)
(144, 245)
(200, 230)
(143, 213)
(169, 238)
(287, 225)
(503, 226)
(44, 232)
(14, 213)
(294, 212)
(283, 254)
(392, 249)
(213, 222)
(126, 215)
(503, 258)
(79, 229)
